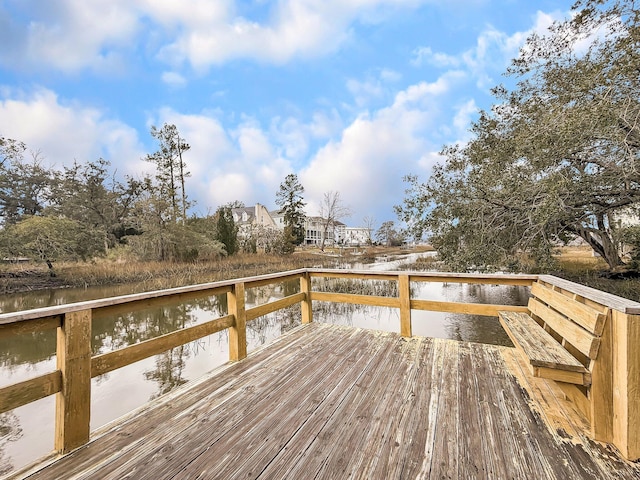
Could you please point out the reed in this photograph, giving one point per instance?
(589, 273)
(145, 276)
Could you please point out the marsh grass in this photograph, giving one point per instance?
(593, 274)
(151, 275)
(579, 265)
(575, 264)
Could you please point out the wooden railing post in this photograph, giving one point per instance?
(601, 391)
(404, 293)
(626, 383)
(73, 402)
(305, 287)
(238, 332)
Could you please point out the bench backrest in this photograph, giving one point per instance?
(575, 324)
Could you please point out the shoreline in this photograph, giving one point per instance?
(575, 265)
(31, 277)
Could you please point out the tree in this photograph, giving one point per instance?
(235, 204)
(171, 169)
(49, 239)
(90, 194)
(370, 224)
(226, 230)
(158, 238)
(24, 186)
(289, 199)
(332, 210)
(283, 243)
(630, 236)
(556, 158)
(175, 242)
(388, 235)
(10, 150)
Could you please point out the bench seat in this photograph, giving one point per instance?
(548, 359)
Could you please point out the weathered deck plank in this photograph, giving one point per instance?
(335, 402)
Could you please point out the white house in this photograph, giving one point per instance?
(356, 236)
(249, 217)
(626, 217)
(315, 232)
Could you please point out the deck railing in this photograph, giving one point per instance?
(75, 365)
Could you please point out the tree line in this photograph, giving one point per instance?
(84, 210)
(557, 157)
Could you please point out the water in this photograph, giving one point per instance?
(468, 328)
(26, 433)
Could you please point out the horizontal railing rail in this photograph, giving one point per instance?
(75, 364)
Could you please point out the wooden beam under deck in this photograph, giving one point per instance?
(326, 401)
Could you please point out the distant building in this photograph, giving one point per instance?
(254, 218)
(356, 236)
(627, 217)
(315, 232)
(278, 218)
(250, 217)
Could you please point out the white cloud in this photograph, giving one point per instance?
(375, 151)
(71, 34)
(174, 79)
(227, 187)
(373, 87)
(427, 161)
(390, 76)
(424, 91)
(491, 54)
(191, 14)
(364, 92)
(292, 136)
(242, 163)
(64, 132)
(326, 124)
(463, 117)
(425, 55)
(295, 28)
(74, 34)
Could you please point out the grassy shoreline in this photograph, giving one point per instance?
(145, 276)
(579, 265)
(575, 264)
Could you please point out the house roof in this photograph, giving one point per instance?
(250, 211)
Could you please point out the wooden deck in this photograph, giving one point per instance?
(336, 402)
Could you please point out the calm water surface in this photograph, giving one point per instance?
(26, 433)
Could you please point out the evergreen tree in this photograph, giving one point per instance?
(171, 170)
(289, 199)
(226, 230)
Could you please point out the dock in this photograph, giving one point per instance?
(327, 401)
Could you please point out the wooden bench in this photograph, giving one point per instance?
(561, 336)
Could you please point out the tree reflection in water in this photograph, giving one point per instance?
(168, 371)
(10, 431)
(462, 327)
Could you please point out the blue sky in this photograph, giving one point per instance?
(351, 95)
